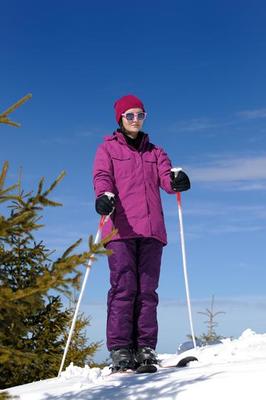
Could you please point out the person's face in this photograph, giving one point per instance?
(133, 126)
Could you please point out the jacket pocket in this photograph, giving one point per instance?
(123, 167)
(150, 166)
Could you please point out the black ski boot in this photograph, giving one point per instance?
(146, 356)
(122, 360)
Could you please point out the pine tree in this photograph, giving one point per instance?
(211, 335)
(33, 322)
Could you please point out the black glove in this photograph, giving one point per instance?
(181, 182)
(104, 205)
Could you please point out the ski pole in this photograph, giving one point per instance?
(103, 220)
(178, 196)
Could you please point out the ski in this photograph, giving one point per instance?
(185, 361)
(142, 369)
(152, 368)
(146, 369)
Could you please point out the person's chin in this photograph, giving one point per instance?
(135, 129)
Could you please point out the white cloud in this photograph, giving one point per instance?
(195, 124)
(253, 114)
(248, 187)
(221, 209)
(87, 133)
(57, 140)
(232, 170)
(234, 228)
(210, 230)
(235, 124)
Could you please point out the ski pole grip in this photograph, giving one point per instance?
(110, 195)
(176, 170)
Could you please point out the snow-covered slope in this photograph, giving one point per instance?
(235, 369)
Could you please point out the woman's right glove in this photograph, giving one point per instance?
(180, 181)
(105, 204)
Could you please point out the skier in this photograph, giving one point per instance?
(131, 168)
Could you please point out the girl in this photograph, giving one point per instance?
(133, 170)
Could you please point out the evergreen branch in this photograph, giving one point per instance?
(9, 189)
(21, 218)
(55, 183)
(5, 120)
(3, 174)
(108, 237)
(219, 312)
(71, 248)
(41, 198)
(3, 192)
(47, 202)
(10, 197)
(6, 353)
(17, 104)
(4, 116)
(203, 313)
(98, 248)
(55, 277)
(40, 187)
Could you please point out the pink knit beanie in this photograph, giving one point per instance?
(125, 103)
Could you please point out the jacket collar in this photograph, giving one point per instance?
(121, 139)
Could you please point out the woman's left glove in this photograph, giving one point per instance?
(179, 182)
(105, 204)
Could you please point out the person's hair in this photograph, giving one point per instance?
(120, 123)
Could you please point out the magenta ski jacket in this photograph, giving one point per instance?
(135, 177)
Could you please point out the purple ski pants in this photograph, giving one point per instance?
(132, 299)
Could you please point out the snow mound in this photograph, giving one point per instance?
(90, 374)
(248, 346)
(235, 368)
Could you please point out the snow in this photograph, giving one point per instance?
(234, 369)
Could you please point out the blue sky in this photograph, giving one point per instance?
(199, 68)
